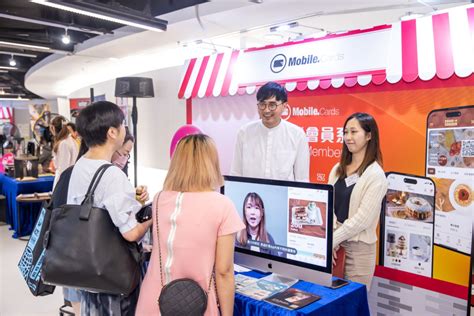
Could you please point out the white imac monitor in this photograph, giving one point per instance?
(289, 227)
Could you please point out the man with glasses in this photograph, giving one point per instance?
(271, 148)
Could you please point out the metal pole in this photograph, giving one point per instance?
(135, 145)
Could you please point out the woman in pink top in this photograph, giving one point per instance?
(197, 229)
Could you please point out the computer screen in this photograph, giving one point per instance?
(288, 226)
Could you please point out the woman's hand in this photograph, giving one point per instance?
(142, 194)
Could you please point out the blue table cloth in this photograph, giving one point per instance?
(347, 300)
(11, 188)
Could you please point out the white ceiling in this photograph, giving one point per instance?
(234, 23)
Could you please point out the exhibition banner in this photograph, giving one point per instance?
(401, 116)
(337, 56)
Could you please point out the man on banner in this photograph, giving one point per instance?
(271, 148)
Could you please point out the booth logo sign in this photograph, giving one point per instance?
(286, 114)
(278, 63)
(308, 111)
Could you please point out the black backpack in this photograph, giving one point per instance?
(31, 262)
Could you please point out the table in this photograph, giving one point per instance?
(26, 198)
(11, 188)
(347, 300)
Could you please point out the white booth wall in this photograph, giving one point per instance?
(221, 119)
(158, 120)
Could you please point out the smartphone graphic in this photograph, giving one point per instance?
(337, 283)
(408, 224)
(450, 163)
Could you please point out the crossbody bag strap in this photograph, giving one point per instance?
(88, 201)
(95, 180)
(159, 245)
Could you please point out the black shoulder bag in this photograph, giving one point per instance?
(181, 296)
(85, 250)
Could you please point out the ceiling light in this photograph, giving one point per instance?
(190, 44)
(410, 16)
(15, 99)
(66, 39)
(106, 13)
(2, 92)
(9, 68)
(283, 27)
(5, 43)
(17, 54)
(3, 71)
(12, 62)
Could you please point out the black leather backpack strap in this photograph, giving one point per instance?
(87, 203)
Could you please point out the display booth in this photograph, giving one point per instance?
(399, 73)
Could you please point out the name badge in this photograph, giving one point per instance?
(351, 180)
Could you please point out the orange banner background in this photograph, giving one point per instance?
(401, 112)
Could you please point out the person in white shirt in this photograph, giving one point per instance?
(65, 148)
(101, 128)
(271, 148)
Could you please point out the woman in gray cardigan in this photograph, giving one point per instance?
(360, 186)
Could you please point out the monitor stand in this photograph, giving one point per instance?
(277, 278)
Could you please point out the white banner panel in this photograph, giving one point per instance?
(333, 57)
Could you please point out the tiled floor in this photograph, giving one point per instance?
(15, 298)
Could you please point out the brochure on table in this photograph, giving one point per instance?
(292, 299)
(260, 289)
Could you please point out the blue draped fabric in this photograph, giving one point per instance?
(11, 188)
(347, 300)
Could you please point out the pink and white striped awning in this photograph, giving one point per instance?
(5, 113)
(439, 45)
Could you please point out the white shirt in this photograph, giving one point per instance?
(65, 157)
(114, 192)
(279, 153)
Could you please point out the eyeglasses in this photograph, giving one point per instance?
(271, 105)
(122, 155)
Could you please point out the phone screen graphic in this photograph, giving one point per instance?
(409, 224)
(450, 163)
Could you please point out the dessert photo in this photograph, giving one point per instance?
(410, 206)
(396, 244)
(420, 247)
(307, 217)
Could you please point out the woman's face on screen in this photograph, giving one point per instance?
(253, 213)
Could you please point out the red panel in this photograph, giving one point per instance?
(379, 79)
(350, 81)
(325, 83)
(409, 51)
(443, 47)
(189, 111)
(215, 72)
(434, 83)
(230, 72)
(422, 282)
(302, 85)
(198, 82)
(470, 17)
(187, 75)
